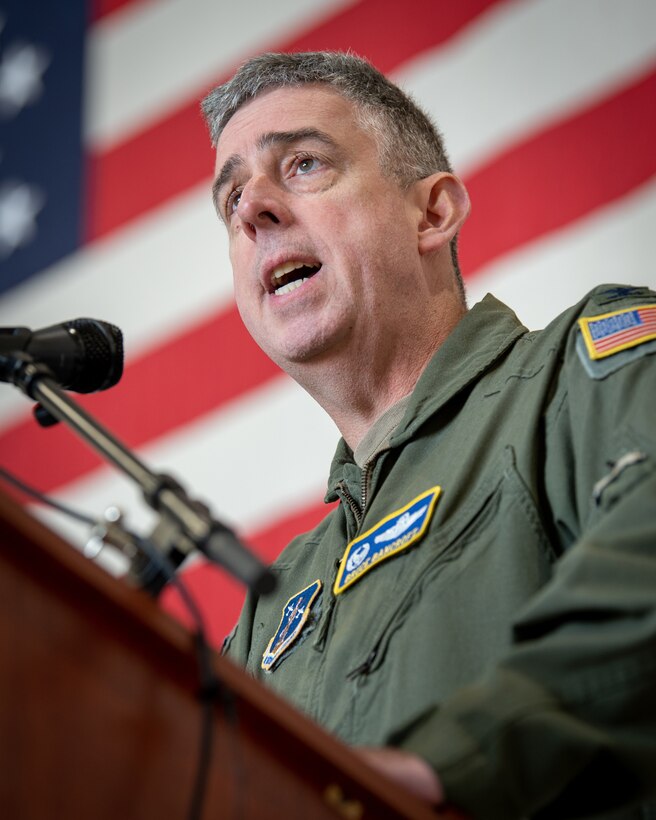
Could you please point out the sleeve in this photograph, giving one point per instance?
(565, 726)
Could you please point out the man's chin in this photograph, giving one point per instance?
(302, 340)
(299, 352)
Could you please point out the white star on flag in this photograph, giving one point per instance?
(21, 71)
(19, 205)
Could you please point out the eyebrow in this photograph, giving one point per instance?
(267, 140)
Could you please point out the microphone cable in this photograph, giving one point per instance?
(209, 685)
(44, 499)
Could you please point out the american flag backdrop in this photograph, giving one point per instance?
(549, 113)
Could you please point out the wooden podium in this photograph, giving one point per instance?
(99, 716)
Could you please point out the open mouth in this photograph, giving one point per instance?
(291, 275)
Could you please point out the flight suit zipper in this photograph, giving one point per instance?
(358, 513)
(358, 509)
(364, 484)
(352, 503)
(322, 638)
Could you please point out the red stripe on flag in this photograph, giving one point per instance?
(188, 376)
(561, 174)
(174, 154)
(218, 595)
(269, 541)
(103, 8)
(386, 34)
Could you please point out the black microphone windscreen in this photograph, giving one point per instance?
(83, 354)
(101, 365)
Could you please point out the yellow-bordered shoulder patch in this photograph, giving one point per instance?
(294, 615)
(619, 330)
(396, 532)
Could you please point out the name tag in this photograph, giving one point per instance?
(394, 533)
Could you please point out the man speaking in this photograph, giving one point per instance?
(479, 611)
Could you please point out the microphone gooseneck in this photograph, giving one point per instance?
(86, 355)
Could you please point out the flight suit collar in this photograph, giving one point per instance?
(481, 337)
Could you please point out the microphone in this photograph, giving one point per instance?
(84, 355)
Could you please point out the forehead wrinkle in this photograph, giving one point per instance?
(271, 138)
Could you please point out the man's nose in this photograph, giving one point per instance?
(261, 206)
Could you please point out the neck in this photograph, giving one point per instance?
(357, 383)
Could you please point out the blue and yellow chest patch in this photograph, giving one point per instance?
(619, 330)
(294, 616)
(396, 532)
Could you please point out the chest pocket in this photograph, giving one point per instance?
(451, 618)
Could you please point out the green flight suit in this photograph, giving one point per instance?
(512, 644)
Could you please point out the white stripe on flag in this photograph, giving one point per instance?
(146, 60)
(214, 458)
(523, 65)
(543, 278)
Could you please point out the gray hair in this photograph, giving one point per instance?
(410, 146)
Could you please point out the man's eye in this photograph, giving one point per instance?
(233, 201)
(305, 165)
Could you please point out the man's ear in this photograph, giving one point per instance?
(445, 206)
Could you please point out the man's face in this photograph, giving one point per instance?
(323, 245)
